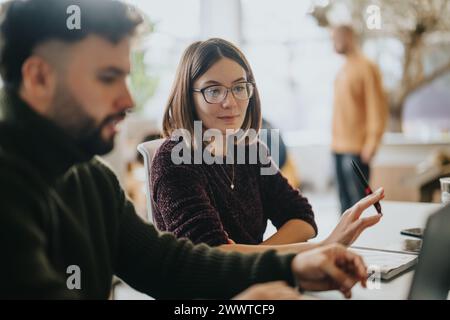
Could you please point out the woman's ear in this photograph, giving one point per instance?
(38, 83)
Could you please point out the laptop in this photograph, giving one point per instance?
(432, 276)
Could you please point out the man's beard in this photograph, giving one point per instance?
(69, 114)
(91, 140)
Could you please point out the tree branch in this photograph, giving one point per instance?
(433, 76)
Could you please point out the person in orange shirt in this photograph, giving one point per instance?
(359, 115)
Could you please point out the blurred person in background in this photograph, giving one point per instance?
(359, 115)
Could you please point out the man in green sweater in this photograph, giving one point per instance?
(66, 226)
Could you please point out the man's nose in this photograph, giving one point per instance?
(126, 100)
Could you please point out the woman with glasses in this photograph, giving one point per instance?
(229, 204)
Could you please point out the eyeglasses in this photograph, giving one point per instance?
(217, 94)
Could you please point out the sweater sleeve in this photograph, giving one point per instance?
(166, 268)
(26, 270)
(181, 201)
(376, 105)
(282, 202)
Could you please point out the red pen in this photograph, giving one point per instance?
(367, 189)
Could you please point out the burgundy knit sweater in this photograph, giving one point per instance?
(196, 201)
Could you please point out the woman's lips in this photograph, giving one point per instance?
(228, 118)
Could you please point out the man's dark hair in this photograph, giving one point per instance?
(25, 24)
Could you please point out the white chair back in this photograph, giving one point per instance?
(148, 150)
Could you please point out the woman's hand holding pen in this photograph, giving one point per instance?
(351, 224)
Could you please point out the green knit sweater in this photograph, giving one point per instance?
(60, 207)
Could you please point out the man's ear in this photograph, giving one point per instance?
(38, 83)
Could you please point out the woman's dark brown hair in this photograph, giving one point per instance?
(197, 59)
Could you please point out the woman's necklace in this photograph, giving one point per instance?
(232, 176)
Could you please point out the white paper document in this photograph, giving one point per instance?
(387, 263)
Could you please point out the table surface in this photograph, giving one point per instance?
(397, 216)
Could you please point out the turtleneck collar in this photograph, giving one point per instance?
(36, 139)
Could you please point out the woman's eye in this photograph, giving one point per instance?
(213, 92)
(239, 88)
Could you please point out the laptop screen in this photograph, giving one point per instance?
(432, 276)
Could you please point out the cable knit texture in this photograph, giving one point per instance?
(197, 202)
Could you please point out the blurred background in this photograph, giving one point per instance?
(288, 44)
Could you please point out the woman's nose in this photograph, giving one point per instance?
(230, 101)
